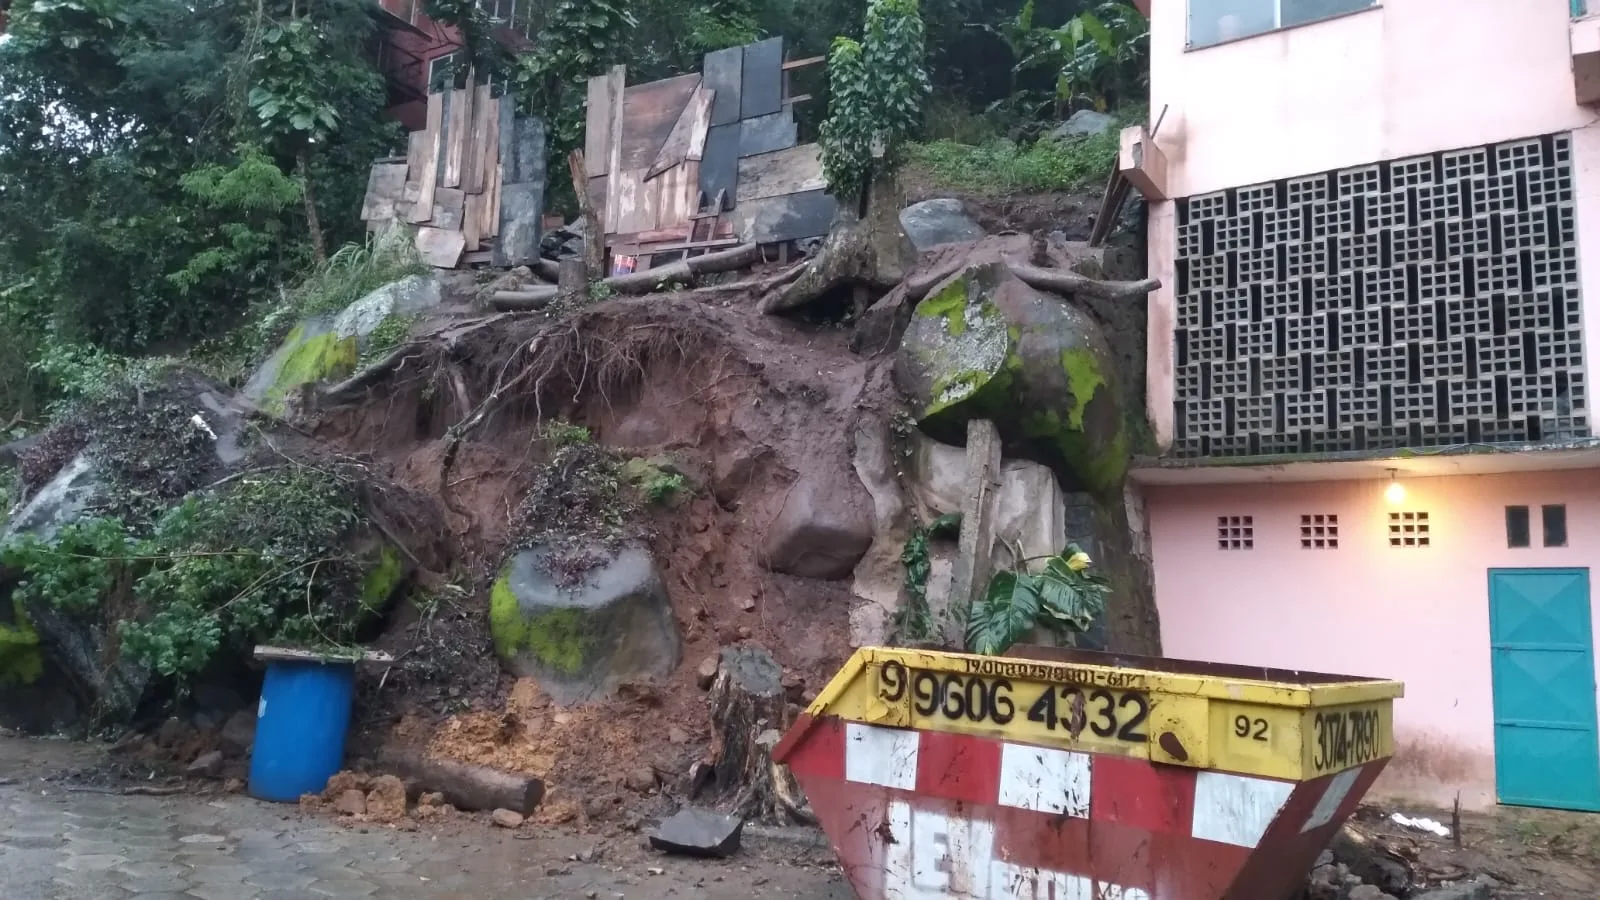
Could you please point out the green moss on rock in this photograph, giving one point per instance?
(319, 357)
(950, 304)
(21, 660)
(382, 580)
(558, 640)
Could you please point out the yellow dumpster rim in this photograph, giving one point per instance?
(1218, 687)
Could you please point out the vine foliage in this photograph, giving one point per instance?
(877, 89)
(914, 619)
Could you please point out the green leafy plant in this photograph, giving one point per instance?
(914, 619)
(562, 433)
(394, 330)
(663, 487)
(1063, 596)
(1005, 167)
(877, 87)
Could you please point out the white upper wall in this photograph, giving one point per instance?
(1402, 78)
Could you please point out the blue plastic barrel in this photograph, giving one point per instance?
(301, 725)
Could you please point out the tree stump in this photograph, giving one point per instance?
(573, 287)
(749, 712)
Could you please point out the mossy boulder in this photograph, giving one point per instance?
(328, 347)
(581, 641)
(21, 661)
(983, 344)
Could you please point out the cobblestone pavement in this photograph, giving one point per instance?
(58, 843)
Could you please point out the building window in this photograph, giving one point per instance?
(1408, 529)
(1236, 532)
(1319, 532)
(1555, 525)
(1215, 21)
(1517, 528)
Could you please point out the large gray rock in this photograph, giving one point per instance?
(934, 222)
(581, 642)
(1083, 123)
(983, 344)
(406, 297)
(825, 527)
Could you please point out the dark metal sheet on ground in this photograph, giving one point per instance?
(761, 88)
(649, 111)
(719, 168)
(785, 218)
(723, 73)
(764, 134)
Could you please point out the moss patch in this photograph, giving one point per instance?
(381, 581)
(1084, 378)
(21, 661)
(949, 304)
(558, 640)
(312, 359)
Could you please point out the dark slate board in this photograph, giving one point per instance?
(761, 93)
(787, 218)
(723, 72)
(719, 165)
(765, 134)
(522, 141)
(521, 147)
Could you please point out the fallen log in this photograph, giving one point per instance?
(466, 786)
(1061, 282)
(684, 271)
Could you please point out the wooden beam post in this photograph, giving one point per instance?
(594, 233)
(974, 562)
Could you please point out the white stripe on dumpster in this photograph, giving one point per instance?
(1045, 780)
(1234, 809)
(938, 857)
(1332, 798)
(881, 756)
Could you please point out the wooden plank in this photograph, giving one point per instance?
(448, 205)
(520, 209)
(460, 136)
(291, 654)
(631, 201)
(792, 171)
(693, 122)
(597, 193)
(677, 195)
(386, 185)
(614, 152)
(765, 134)
(786, 218)
(414, 145)
(605, 91)
(719, 168)
(809, 61)
(440, 248)
(428, 165)
(521, 147)
(490, 226)
(475, 167)
(649, 113)
(472, 221)
(723, 71)
(761, 85)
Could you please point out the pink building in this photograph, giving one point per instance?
(1377, 224)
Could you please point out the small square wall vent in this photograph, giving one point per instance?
(1236, 532)
(1319, 532)
(1408, 529)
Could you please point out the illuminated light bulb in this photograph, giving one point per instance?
(1396, 492)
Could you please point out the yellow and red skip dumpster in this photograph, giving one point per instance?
(1071, 775)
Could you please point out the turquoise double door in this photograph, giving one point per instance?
(1547, 743)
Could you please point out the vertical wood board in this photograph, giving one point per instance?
(460, 134)
(428, 162)
(608, 217)
(440, 248)
(605, 91)
(386, 185)
(415, 142)
(491, 175)
(694, 121)
(473, 169)
(724, 69)
(472, 221)
(761, 85)
(448, 204)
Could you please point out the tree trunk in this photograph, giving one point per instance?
(749, 713)
(594, 233)
(319, 250)
(468, 787)
(870, 251)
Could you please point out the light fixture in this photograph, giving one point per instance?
(1395, 493)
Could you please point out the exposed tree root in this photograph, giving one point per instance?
(684, 272)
